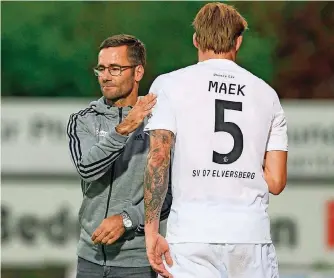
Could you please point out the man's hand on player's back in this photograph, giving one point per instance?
(140, 110)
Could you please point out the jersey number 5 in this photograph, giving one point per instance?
(229, 127)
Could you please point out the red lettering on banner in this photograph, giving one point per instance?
(330, 224)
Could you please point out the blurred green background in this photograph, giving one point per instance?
(49, 48)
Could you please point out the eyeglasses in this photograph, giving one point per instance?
(114, 70)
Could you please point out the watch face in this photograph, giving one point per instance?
(127, 223)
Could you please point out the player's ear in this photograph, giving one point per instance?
(195, 41)
(238, 43)
(139, 73)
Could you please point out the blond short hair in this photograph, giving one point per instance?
(217, 26)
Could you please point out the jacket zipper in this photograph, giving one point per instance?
(109, 194)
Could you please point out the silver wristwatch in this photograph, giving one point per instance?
(127, 222)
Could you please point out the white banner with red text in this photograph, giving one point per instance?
(39, 223)
(33, 135)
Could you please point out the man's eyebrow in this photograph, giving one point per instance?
(110, 65)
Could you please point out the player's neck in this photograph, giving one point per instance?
(207, 55)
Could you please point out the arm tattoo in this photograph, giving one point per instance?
(156, 174)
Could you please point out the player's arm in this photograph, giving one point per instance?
(156, 177)
(136, 211)
(275, 163)
(275, 170)
(163, 130)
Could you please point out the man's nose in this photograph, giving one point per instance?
(105, 75)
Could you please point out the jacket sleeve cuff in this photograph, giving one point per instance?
(135, 216)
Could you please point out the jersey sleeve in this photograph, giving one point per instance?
(163, 115)
(278, 137)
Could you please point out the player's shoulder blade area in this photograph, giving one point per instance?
(222, 133)
(234, 114)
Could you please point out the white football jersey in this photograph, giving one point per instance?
(224, 119)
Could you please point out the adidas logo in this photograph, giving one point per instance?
(140, 231)
(139, 137)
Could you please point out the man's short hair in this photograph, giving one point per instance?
(136, 49)
(217, 27)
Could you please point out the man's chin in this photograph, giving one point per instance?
(111, 94)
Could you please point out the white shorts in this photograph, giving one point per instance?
(202, 260)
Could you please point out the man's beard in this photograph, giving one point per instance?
(120, 94)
